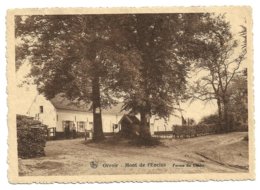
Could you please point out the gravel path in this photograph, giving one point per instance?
(212, 153)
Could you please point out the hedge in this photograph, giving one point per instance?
(31, 137)
(193, 131)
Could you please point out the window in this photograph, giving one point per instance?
(81, 126)
(90, 126)
(41, 109)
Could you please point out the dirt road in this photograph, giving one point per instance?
(212, 153)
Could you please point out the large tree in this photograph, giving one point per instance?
(77, 56)
(220, 59)
(163, 65)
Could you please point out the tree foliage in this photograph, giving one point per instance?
(219, 63)
(143, 59)
(238, 96)
(164, 63)
(77, 56)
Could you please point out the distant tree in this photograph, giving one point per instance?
(220, 61)
(210, 119)
(238, 102)
(77, 56)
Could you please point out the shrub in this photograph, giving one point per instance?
(31, 137)
(185, 131)
(210, 119)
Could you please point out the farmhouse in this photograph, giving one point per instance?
(60, 114)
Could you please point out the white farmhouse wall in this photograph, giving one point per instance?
(108, 120)
(157, 124)
(74, 116)
(48, 117)
(162, 125)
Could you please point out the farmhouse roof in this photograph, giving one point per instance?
(132, 119)
(61, 102)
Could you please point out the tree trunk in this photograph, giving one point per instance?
(145, 133)
(219, 116)
(225, 116)
(97, 119)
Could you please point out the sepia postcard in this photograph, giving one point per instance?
(130, 94)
